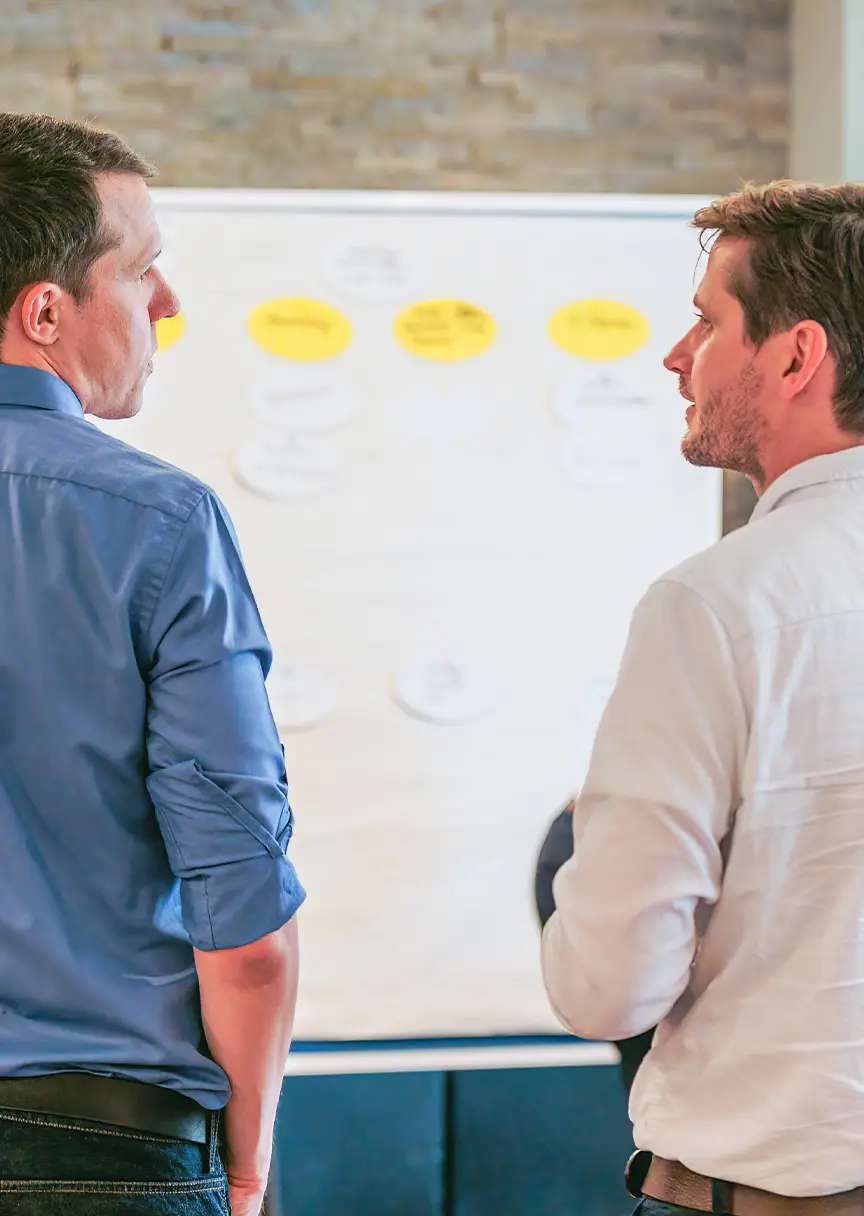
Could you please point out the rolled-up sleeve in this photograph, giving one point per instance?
(657, 801)
(216, 769)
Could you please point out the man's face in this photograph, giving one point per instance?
(107, 342)
(720, 374)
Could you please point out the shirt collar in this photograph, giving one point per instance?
(819, 470)
(38, 389)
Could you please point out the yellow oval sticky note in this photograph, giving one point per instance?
(296, 328)
(599, 329)
(446, 330)
(169, 330)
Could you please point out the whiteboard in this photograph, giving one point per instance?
(448, 513)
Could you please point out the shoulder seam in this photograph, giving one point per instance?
(170, 561)
(674, 580)
(135, 502)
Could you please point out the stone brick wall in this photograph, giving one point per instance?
(615, 95)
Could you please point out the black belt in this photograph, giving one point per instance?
(132, 1104)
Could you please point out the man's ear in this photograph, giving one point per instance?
(805, 349)
(39, 308)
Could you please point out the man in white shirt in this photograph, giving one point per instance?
(717, 884)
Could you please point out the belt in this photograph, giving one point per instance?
(132, 1104)
(671, 1182)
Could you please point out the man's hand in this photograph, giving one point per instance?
(247, 1005)
(247, 1197)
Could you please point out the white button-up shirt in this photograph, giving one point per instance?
(717, 884)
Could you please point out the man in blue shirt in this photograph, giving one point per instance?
(148, 944)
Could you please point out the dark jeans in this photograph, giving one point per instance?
(51, 1166)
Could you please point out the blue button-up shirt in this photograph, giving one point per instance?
(143, 801)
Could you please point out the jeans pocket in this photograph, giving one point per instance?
(192, 1197)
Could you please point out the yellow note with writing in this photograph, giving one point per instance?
(599, 329)
(445, 330)
(297, 328)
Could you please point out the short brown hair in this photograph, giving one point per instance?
(806, 263)
(51, 226)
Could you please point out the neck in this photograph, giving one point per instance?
(15, 354)
(784, 457)
(25, 354)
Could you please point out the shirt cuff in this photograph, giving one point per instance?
(236, 884)
(251, 899)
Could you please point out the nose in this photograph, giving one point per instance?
(679, 360)
(165, 301)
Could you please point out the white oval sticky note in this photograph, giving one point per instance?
(301, 698)
(578, 394)
(279, 465)
(372, 270)
(297, 397)
(444, 691)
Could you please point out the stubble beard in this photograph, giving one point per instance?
(729, 431)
